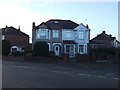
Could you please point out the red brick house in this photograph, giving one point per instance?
(104, 40)
(16, 37)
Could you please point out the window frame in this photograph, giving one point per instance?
(55, 33)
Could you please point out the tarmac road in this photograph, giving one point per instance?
(20, 74)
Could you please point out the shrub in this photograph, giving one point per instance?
(51, 53)
(28, 54)
(28, 51)
(40, 48)
(6, 46)
(17, 53)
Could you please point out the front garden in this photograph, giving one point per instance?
(40, 52)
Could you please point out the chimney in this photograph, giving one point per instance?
(33, 25)
(104, 32)
(19, 28)
(87, 26)
(6, 26)
(110, 35)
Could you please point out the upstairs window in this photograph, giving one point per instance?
(68, 34)
(55, 33)
(43, 33)
(81, 35)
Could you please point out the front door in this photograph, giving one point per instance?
(72, 51)
(57, 50)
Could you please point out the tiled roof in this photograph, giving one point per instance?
(61, 24)
(93, 42)
(69, 42)
(13, 31)
(103, 36)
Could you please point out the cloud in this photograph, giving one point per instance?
(12, 14)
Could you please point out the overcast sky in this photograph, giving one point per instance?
(98, 15)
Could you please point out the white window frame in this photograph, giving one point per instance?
(55, 33)
(68, 34)
(81, 49)
(43, 33)
(3, 37)
(81, 35)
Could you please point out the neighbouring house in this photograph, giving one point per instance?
(104, 40)
(17, 38)
(63, 36)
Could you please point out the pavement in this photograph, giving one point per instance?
(20, 74)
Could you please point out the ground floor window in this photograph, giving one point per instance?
(81, 49)
(67, 48)
(14, 49)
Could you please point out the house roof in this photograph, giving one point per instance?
(60, 24)
(103, 36)
(69, 42)
(93, 42)
(12, 30)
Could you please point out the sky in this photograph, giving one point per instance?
(98, 15)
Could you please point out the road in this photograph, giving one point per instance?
(20, 74)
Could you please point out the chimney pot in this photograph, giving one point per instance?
(104, 32)
(33, 25)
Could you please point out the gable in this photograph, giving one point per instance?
(42, 26)
(81, 27)
(13, 31)
(101, 37)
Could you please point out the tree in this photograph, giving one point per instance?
(40, 48)
(6, 46)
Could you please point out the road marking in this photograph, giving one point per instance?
(84, 74)
(115, 78)
(65, 72)
(54, 71)
(35, 68)
(43, 69)
(101, 76)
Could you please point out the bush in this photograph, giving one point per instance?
(6, 47)
(51, 53)
(40, 48)
(28, 51)
(104, 52)
(28, 54)
(17, 53)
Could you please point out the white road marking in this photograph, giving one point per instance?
(115, 78)
(101, 76)
(84, 74)
(65, 72)
(43, 69)
(54, 71)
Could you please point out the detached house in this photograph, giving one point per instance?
(63, 36)
(17, 38)
(104, 40)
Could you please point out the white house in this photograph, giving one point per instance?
(63, 36)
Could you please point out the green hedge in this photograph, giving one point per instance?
(40, 48)
(6, 47)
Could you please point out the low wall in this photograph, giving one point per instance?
(43, 59)
(25, 58)
(14, 58)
